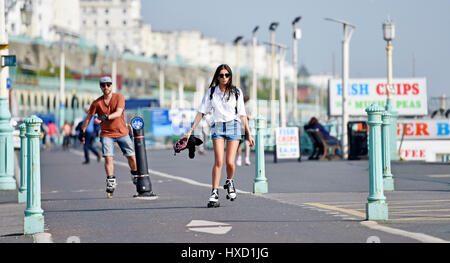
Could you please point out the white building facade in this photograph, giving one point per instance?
(44, 19)
(117, 25)
(113, 24)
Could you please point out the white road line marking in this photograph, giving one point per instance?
(209, 227)
(439, 175)
(42, 238)
(417, 236)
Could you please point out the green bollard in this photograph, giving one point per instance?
(34, 219)
(7, 180)
(388, 180)
(376, 208)
(22, 195)
(260, 185)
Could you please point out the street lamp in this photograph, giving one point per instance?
(273, 26)
(389, 35)
(297, 35)
(7, 180)
(238, 72)
(253, 94)
(345, 69)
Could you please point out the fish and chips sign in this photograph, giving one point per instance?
(287, 143)
(409, 96)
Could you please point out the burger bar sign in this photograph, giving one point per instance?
(409, 96)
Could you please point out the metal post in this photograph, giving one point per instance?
(22, 195)
(114, 73)
(272, 91)
(296, 36)
(253, 94)
(161, 88)
(345, 69)
(260, 184)
(345, 75)
(388, 181)
(238, 70)
(34, 219)
(389, 35)
(180, 94)
(143, 182)
(376, 208)
(390, 105)
(7, 181)
(62, 95)
(282, 89)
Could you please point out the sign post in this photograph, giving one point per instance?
(143, 183)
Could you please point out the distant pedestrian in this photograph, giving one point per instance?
(227, 103)
(44, 137)
(110, 109)
(245, 138)
(52, 133)
(89, 144)
(66, 130)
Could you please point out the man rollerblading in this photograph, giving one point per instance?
(231, 191)
(214, 199)
(110, 110)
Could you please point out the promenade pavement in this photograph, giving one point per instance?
(308, 201)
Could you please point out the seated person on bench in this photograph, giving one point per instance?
(314, 124)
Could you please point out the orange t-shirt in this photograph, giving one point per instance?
(111, 128)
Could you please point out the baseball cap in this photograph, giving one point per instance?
(105, 80)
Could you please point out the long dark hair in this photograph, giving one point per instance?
(230, 88)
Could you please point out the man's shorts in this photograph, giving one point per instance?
(125, 144)
(229, 131)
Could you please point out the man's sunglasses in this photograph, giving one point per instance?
(224, 75)
(105, 84)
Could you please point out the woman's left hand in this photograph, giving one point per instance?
(251, 140)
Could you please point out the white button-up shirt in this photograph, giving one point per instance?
(224, 110)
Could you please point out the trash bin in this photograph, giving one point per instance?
(357, 139)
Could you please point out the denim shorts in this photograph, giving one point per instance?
(229, 131)
(125, 144)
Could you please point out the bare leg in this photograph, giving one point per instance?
(219, 145)
(109, 165)
(231, 158)
(132, 162)
(247, 149)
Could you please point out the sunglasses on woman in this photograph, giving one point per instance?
(227, 75)
(105, 84)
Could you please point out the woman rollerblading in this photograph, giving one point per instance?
(226, 101)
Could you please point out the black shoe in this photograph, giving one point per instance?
(85, 162)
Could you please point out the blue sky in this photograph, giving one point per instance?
(422, 28)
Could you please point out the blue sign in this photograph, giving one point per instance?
(160, 123)
(137, 123)
(8, 83)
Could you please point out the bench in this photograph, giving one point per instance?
(326, 145)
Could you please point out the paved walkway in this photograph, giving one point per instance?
(304, 200)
